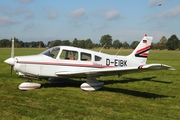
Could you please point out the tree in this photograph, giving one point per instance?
(34, 44)
(55, 43)
(75, 42)
(172, 43)
(117, 44)
(89, 44)
(21, 44)
(66, 42)
(81, 43)
(134, 44)
(41, 44)
(106, 39)
(49, 43)
(153, 46)
(162, 43)
(125, 45)
(5, 43)
(97, 45)
(27, 44)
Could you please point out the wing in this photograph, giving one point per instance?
(114, 71)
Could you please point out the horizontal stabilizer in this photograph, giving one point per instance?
(156, 67)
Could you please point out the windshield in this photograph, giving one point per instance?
(52, 52)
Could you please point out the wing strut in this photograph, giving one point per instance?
(102, 47)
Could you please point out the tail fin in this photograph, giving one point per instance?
(140, 54)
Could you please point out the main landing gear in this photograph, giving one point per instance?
(91, 84)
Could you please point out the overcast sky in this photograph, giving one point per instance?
(125, 20)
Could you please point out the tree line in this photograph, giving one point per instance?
(172, 43)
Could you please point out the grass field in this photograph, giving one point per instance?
(146, 96)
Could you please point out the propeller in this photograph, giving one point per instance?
(11, 60)
(12, 54)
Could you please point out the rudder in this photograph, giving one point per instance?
(140, 54)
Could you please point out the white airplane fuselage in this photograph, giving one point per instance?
(45, 66)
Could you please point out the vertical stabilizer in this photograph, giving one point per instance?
(140, 54)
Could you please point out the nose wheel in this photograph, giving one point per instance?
(29, 86)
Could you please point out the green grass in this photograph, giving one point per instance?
(149, 95)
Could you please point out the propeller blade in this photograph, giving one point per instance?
(12, 48)
(12, 54)
(11, 69)
(11, 60)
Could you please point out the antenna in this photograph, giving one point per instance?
(118, 51)
(102, 47)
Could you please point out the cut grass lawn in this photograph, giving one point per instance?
(149, 95)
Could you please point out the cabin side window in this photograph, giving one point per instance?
(69, 55)
(97, 58)
(85, 56)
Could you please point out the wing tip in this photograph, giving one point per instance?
(171, 68)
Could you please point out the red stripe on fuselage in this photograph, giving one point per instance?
(65, 64)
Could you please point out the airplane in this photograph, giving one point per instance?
(72, 62)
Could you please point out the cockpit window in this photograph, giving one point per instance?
(52, 52)
(69, 55)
